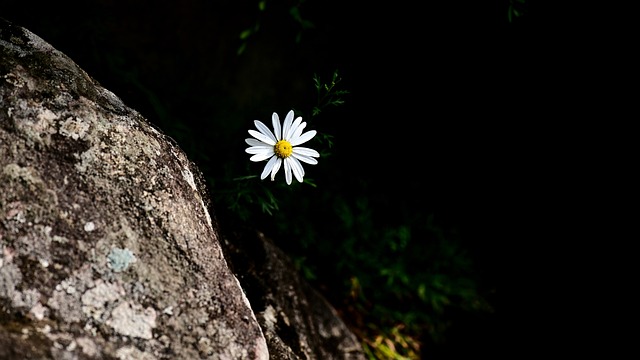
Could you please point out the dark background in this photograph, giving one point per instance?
(442, 102)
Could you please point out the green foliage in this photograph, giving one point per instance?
(296, 13)
(422, 268)
(392, 344)
(328, 94)
(401, 279)
(247, 33)
(295, 10)
(515, 9)
(249, 192)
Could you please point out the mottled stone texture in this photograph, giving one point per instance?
(297, 321)
(107, 249)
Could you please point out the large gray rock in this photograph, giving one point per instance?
(107, 249)
(107, 246)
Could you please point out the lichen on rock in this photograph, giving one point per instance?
(101, 231)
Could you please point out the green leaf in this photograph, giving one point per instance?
(245, 34)
(241, 48)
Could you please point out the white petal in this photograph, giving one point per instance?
(287, 123)
(303, 158)
(276, 167)
(305, 151)
(275, 120)
(298, 171)
(298, 130)
(260, 157)
(294, 128)
(303, 139)
(287, 171)
(264, 138)
(264, 130)
(254, 142)
(268, 167)
(260, 149)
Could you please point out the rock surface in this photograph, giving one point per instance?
(297, 321)
(107, 246)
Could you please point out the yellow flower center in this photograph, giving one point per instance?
(283, 149)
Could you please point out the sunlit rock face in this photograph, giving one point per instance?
(107, 248)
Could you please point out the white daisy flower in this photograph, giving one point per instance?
(281, 146)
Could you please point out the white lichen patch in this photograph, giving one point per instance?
(88, 347)
(33, 119)
(133, 353)
(168, 310)
(74, 128)
(96, 300)
(227, 338)
(67, 306)
(26, 174)
(65, 300)
(63, 344)
(39, 311)
(46, 329)
(60, 239)
(270, 319)
(25, 299)
(14, 79)
(89, 226)
(10, 277)
(7, 255)
(45, 126)
(36, 243)
(204, 346)
(72, 346)
(66, 286)
(88, 158)
(15, 211)
(130, 319)
(47, 116)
